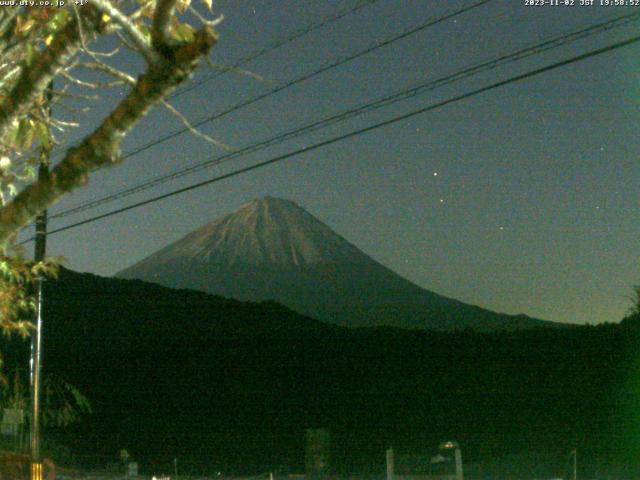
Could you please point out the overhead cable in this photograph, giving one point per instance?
(352, 112)
(355, 133)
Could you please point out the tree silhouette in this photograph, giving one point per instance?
(52, 61)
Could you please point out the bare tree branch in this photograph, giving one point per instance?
(108, 69)
(161, 21)
(90, 85)
(185, 121)
(76, 96)
(131, 30)
(102, 147)
(238, 71)
(210, 23)
(35, 78)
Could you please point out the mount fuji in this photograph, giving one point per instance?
(272, 249)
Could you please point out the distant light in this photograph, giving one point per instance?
(449, 445)
(435, 174)
(442, 200)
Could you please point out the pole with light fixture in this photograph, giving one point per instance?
(457, 454)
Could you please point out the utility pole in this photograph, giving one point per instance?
(36, 337)
(458, 457)
(390, 466)
(575, 464)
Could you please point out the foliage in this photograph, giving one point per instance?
(16, 301)
(63, 403)
(52, 62)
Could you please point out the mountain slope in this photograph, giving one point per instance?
(273, 249)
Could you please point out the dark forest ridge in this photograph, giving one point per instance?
(272, 249)
(233, 385)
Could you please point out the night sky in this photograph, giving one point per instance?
(521, 200)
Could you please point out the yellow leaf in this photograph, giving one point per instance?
(182, 5)
(24, 27)
(148, 8)
(48, 40)
(183, 33)
(209, 4)
(105, 18)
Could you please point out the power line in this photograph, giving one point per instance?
(276, 44)
(357, 132)
(367, 107)
(291, 83)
